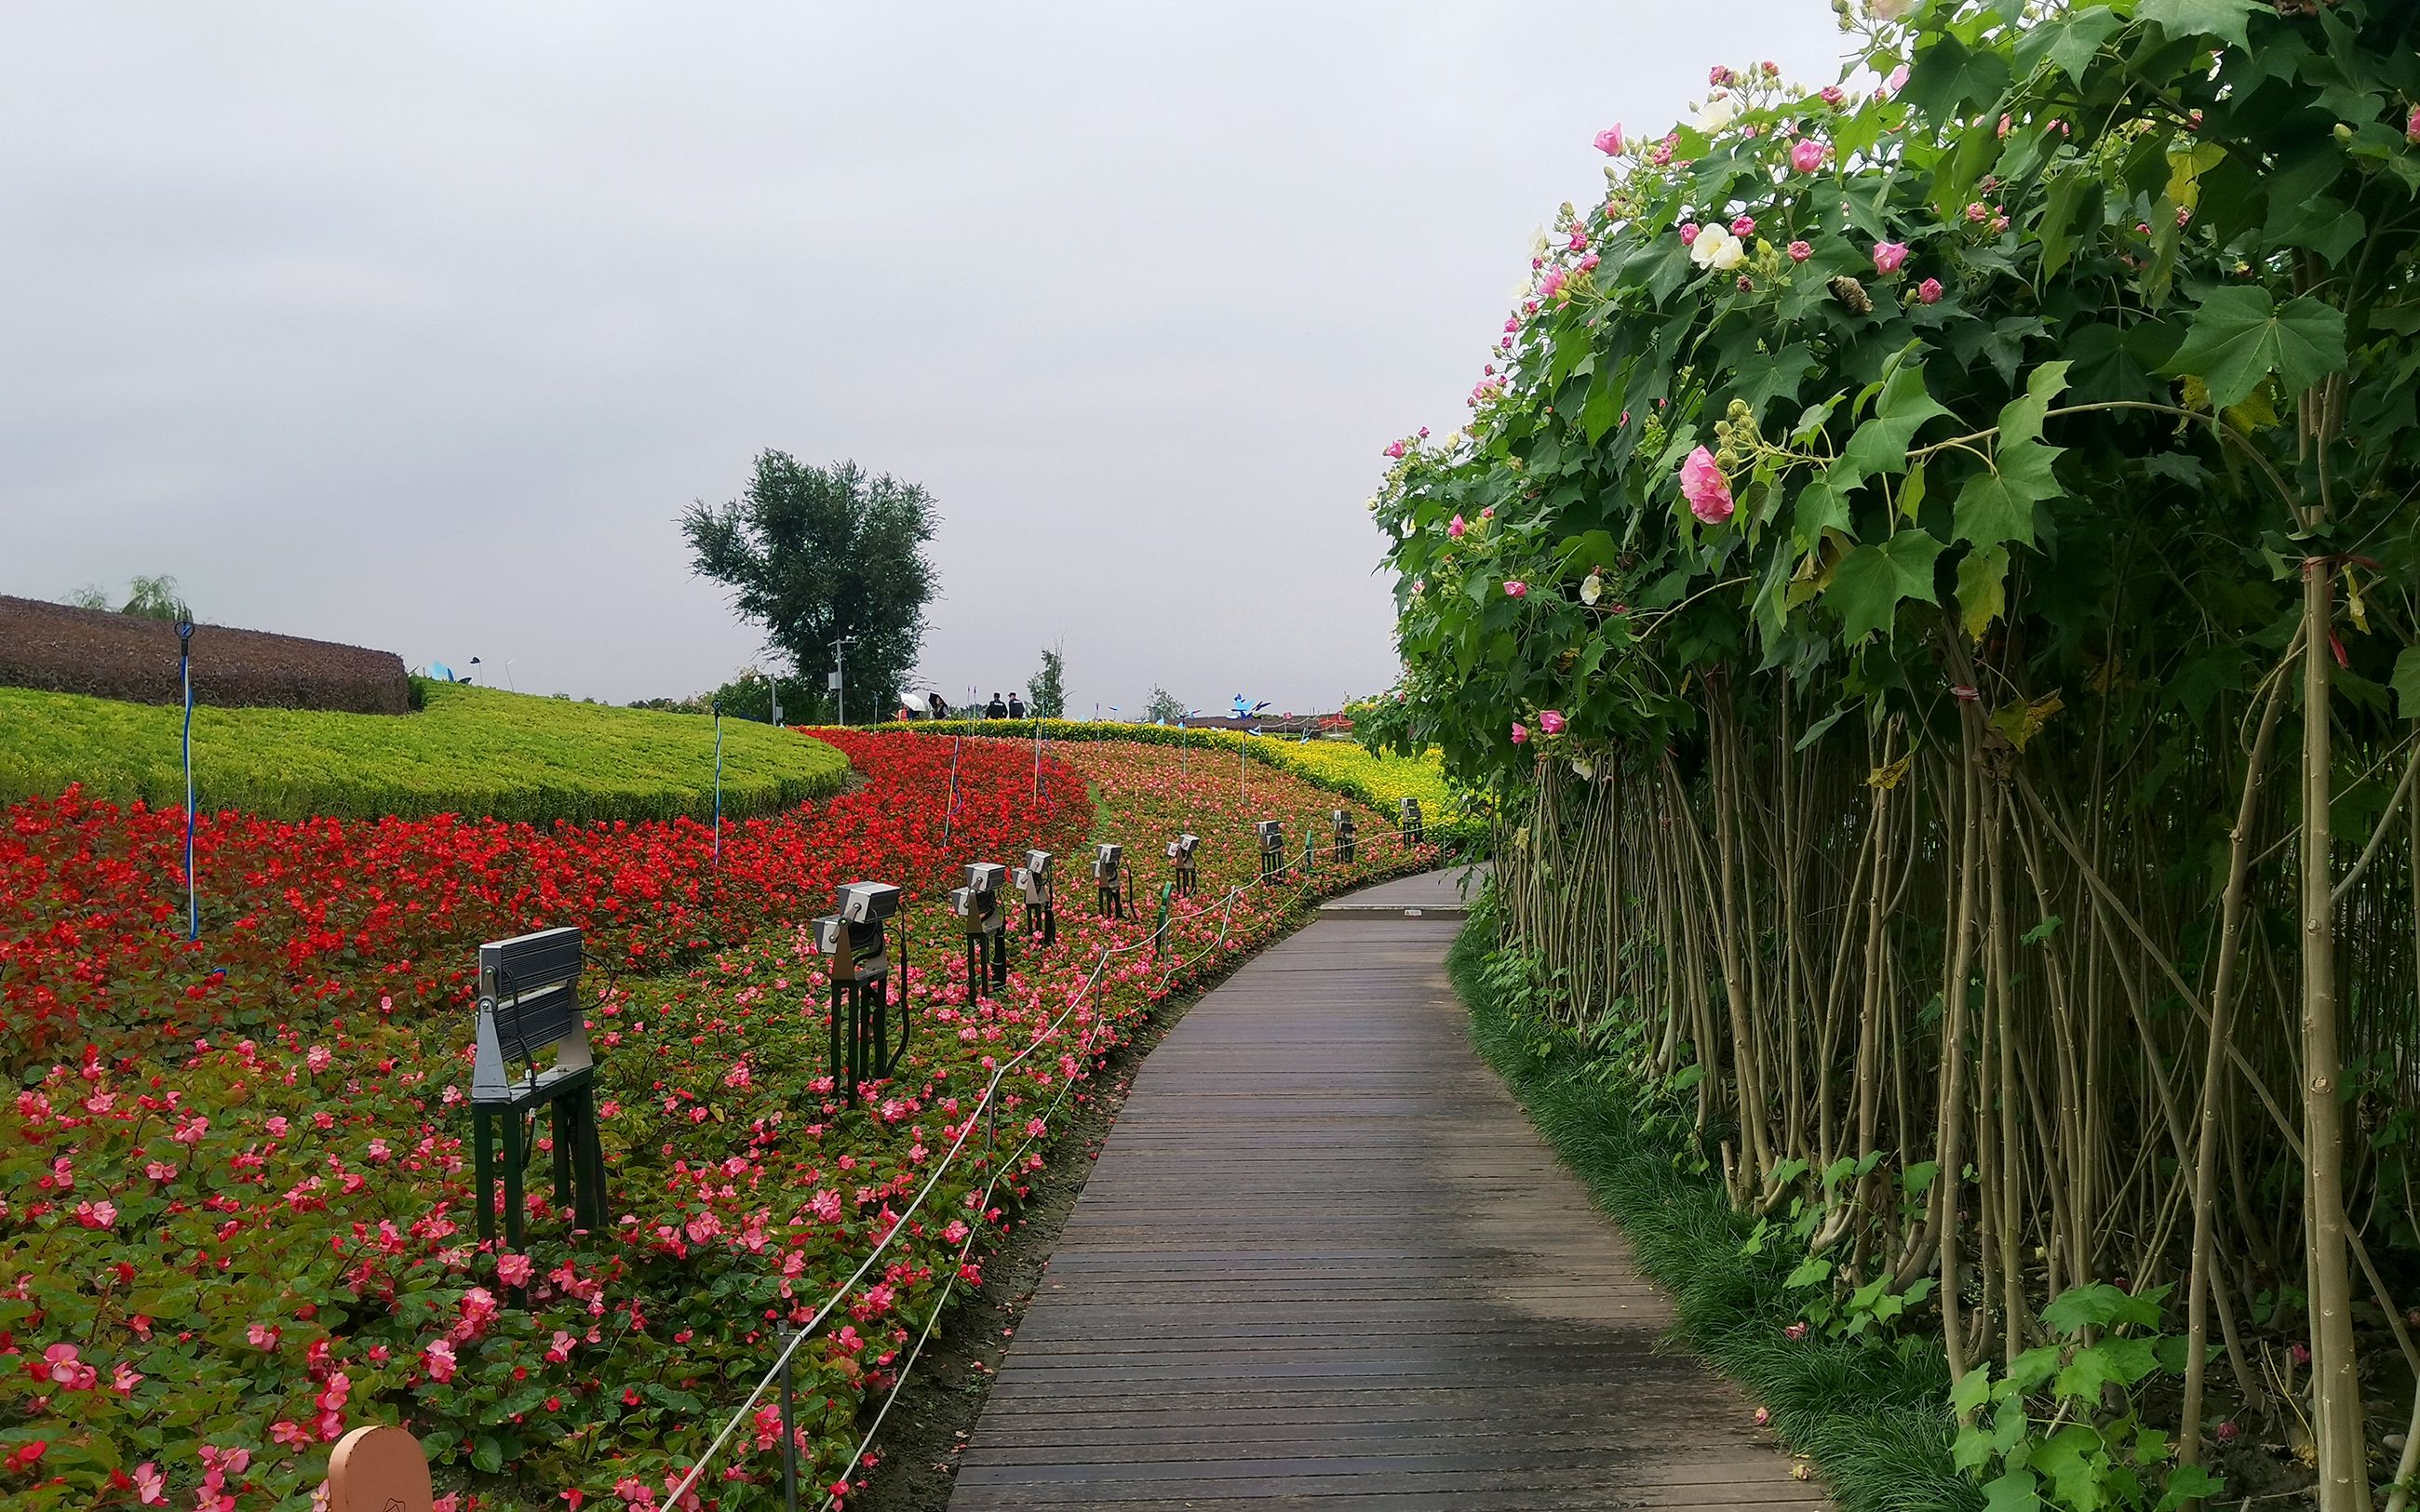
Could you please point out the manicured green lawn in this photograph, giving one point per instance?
(472, 750)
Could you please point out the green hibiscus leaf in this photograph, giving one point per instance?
(1760, 378)
(2239, 337)
(2221, 19)
(1881, 443)
(2070, 43)
(2018, 1491)
(1871, 582)
(1982, 588)
(1998, 506)
(2406, 683)
(1820, 508)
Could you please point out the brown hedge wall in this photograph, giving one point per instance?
(63, 650)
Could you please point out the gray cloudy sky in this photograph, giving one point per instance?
(416, 325)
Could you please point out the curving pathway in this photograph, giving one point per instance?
(1325, 1262)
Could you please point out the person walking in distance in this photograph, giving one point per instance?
(995, 709)
(1015, 707)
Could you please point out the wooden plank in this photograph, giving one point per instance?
(1323, 1262)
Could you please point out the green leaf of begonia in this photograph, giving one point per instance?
(2239, 337)
(1871, 582)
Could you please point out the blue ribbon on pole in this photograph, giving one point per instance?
(718, 787)
(185, 675)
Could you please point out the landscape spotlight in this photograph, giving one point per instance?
(1180, 851)
(1105, 877)
(1272, 833)
(1041, 902)
(854, 937)
(977, 907)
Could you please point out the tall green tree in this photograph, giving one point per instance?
(1163, 707)
(818, 554)
(1046, 690)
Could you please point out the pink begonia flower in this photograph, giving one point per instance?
(1928, 291)
(66, 1371)
(1455, 528)
(515, 1269)
(1744, 227)
(263, 1335)
(1515, 588)
(151, 1486)
(277, 1125)
(1688, 233)
(440, 1358)
(125, 1379)
(1703, 485)
(1888, 255)
(1551, 721)
(1800, 252)
(1806, 155)
(1609, 141)
(1520, 733)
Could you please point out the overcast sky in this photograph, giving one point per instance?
(416, 325)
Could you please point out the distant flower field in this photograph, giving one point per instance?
(1341, 766)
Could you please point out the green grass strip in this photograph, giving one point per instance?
(475, 752)
(1874, 1418)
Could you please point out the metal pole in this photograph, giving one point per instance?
(950, 814)
(789, 1433)
(185, 676)
(1038, 758)
(718, 787)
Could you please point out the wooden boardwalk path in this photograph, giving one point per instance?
(1323, 1262)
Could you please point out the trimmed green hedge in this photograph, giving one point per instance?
(1335, 765)
(471, 750)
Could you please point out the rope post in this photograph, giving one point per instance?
(790, 1429)
(185, 676)
(718, 787)
(1037, 756)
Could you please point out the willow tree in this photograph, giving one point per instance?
(1892, 543)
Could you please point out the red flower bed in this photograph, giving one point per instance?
(240, 1222)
